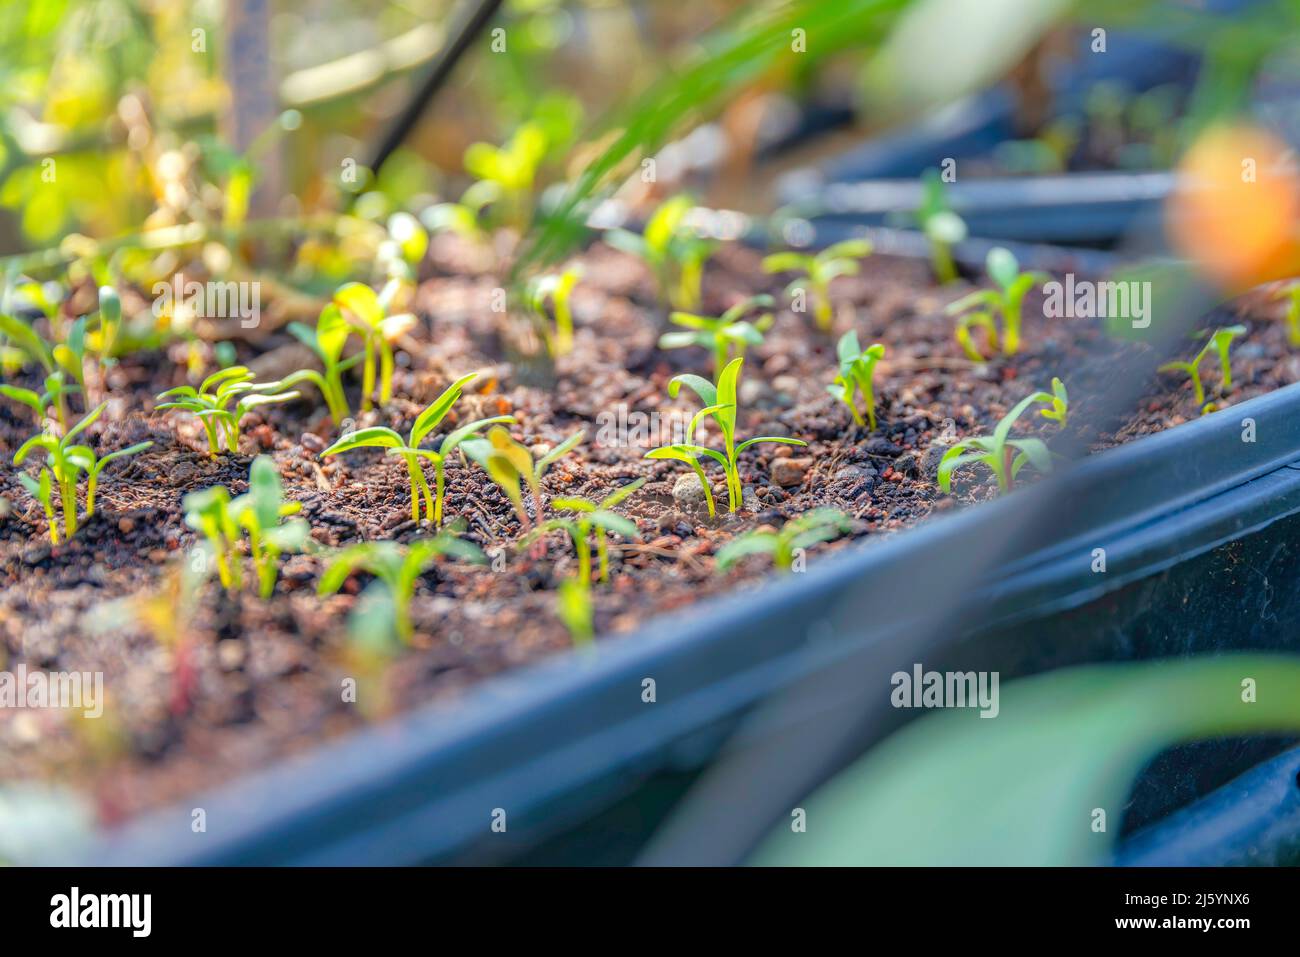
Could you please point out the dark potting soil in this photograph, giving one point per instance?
(191, 704)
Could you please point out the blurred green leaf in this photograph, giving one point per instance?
(952, 788)
(722, 63)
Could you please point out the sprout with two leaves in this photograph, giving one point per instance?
(1219, 342)
(591, 517)
(409, 449)
(506, 175)
(64, 463)
(725, 336)
(818, 269)
(674, 253)
(857, 368)
(720, 403)
(26, 341)
(377, 329)
(56, 391)
(507, 463)
(942, 227)
(210, 403)
(399, 568)
(258, 513)
(977, 309)
(326, 341)
(810, 528)
(1000, 453)
(557, 287)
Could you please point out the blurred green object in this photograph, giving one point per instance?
(1025, 788)
(942, 50)
(793, 34)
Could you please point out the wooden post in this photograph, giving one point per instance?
(254, 100)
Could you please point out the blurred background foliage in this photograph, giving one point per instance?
(110, 90)
(114, 113)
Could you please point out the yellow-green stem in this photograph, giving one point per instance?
(439, 480)
(583, 548)
(385, 372)
(822, 307)
(367, 373)
(68, 491)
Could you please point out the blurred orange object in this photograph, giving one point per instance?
(1236, 210)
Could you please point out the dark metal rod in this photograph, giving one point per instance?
(461, 38)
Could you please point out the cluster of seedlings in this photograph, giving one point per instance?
(261, 525)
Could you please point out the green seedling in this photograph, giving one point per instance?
(857, 367)
(27, 341)
(818, 270)
(458, 218)
(592, 517)
(674, 253)
(362, 303)
(54, 395)
(411, 238)
(977, 308)
(726, 336)
(557, 288)
(573, 606)
(398, 567)
(1291, 293)
(1219, 342)
(720, 403)
(942, 227)
(258, 514)
(105, 338)
(410, 451)
(506, 175)
(819, 525)
(42, 490)
(326, 341)
(1003, 455)
(210, 403)
(83, 456)
(507, 463)
(375, 327)
(64, 463)
(1058, 410)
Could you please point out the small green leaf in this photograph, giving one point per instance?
(377, 436)
(428, 420)
(361, 301)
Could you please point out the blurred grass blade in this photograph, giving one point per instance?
(953, 788)
(724, 62)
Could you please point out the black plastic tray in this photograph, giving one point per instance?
(1253, 820)
(555, 743)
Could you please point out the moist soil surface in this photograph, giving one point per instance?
(197, 695)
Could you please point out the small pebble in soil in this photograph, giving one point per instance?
(855, 473)
(230, 654)
(687, 491)
(312, 442)
(881, 446)
(788, 472)
(930, 463)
